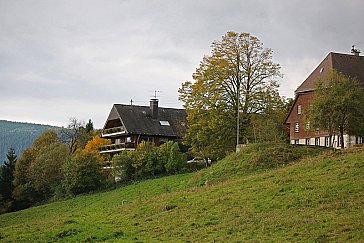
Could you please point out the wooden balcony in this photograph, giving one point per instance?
(113, 132)
(113, 148)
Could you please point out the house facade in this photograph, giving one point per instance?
(300, 130)
(129, 125)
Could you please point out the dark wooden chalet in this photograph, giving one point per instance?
(300, 132)
(128, 125)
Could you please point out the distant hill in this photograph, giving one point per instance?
(18, 135)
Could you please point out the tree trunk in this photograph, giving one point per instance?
(330, 140)
(342, 136)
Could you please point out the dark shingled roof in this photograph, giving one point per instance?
(138, 120)
(349, 65)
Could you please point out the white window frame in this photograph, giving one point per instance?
(317, 141)
(164, 123)
(296, 127)
(307, 141)
(299, 109)
(327, 141)
(338, 140)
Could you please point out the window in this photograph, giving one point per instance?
(164, 123)
(296, 141)
(299, 109)
(296, 127)
(317, 141)
(308, 126)
(128, 139)
(117, 141)
(359, 140)
(327, 141)
(307, 141)
(338, 141)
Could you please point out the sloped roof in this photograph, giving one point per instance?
(349, 65)
(138, 120)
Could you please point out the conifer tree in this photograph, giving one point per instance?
(7, 175)
(89, 126)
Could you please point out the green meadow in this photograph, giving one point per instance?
(264, 193)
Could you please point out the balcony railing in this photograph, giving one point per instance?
(116, 147)
(110, 132)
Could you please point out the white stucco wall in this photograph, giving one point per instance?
(349, 141)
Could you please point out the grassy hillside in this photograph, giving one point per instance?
(18, 135)
(291, 194)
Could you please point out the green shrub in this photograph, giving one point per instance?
(148, 161)
(177, 161)
(123, 169)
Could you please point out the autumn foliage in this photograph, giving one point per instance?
(95, 143)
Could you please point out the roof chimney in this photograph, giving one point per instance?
(154, 108)
(355, 51)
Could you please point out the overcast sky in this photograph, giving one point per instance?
(62, 59)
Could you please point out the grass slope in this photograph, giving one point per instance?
(314, 195)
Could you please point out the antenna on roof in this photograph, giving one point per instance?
(155, 96)
(355, 51)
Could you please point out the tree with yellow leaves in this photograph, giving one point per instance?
(237, 80)
(95, 143)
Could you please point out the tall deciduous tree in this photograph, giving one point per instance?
(24, 194)
(71, 134)
(28, 157)
(338, 106)
(45, 172)
(82, 173)
(238, 79)
(77, 134)
(37, 172)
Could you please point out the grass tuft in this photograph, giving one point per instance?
(67, 233)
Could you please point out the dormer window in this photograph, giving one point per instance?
(164, 123)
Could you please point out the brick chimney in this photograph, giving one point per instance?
(154, 108)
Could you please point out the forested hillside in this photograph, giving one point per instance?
(18, 135)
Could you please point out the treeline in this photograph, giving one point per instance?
(63, 164)
(19, 136)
